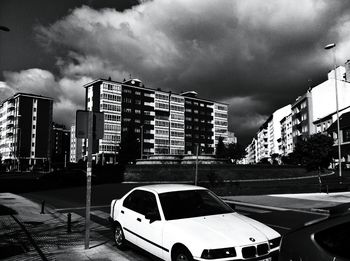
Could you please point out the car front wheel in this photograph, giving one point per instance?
(119, 238)
(182, 254)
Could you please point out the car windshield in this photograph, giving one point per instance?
(192, 203)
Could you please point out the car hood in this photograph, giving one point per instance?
(225, 230)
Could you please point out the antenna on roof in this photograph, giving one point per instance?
(130, 76)
(109, 78)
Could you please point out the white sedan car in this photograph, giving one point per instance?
(184, 222)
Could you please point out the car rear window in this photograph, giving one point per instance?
(335, 239)
(192, 203)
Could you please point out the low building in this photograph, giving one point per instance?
(344, 139)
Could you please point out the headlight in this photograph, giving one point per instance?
(275, 242)
(218, 253)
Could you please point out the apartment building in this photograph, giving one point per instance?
(76, 146)
(286, 143)
(60, 147)
(268, 139)
(313, 107)
(25, 127)
(251, 149)
(164, 122)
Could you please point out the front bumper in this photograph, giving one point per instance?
(272, 255)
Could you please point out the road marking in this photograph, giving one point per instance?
(80, 208)
(239, 203)
(100, 214)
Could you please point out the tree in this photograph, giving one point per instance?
(235, 152)
(220, 149)
(315, 152)
(275, 158)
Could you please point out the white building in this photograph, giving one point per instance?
(318, 103)
(76, 146)
(286, 136)
(269, 135)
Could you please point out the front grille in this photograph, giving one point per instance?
(263, 249)
(249, 252)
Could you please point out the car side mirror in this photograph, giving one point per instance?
(152, 216)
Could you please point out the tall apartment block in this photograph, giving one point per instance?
(164, 122)
(25, 127)
(60, 147)
(76, 146)
(268, 140)
(286, 144)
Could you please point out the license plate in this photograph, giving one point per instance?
(266, 259)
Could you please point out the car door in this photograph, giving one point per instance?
(150, 230)
(129, 216)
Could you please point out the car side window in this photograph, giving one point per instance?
(149, 204)
(132, 200)
(335, 239)
(142, 202)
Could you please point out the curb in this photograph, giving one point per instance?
(312, 210)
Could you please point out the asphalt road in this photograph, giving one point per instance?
(73, 200)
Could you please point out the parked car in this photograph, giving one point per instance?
(184, 222)
(326, 239)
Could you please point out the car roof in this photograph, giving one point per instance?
(163, 188)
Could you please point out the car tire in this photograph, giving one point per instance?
(182, 254)
(118, 236)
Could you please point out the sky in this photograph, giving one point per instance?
(254, 55)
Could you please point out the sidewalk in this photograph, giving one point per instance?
(25, 234)
(309, 202)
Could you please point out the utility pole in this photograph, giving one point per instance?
(88, 179)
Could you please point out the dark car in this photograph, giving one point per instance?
(327, 239)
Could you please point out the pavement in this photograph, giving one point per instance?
(28, 234)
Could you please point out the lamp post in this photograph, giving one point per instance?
(327, 47)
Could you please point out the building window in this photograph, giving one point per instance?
(346, 135)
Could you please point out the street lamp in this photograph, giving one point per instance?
(327, 47)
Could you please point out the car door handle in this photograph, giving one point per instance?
(138, 219)
(122, 211)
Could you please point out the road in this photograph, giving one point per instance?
(73, 200)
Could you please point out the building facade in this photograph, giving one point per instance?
(76, 146)
(286, 136)
(163, 122)
(25, 126)
(60, 147)
(312, 108)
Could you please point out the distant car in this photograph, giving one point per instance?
(184, 222)
(326, 239)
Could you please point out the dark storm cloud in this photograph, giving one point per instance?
(255, 55)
